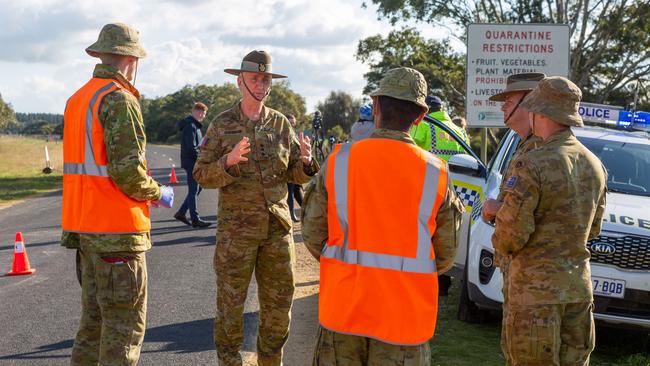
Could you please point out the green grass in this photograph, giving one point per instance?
(461, 344)
(22, 160)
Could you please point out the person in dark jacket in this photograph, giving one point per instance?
(295, 190)
(190, 128)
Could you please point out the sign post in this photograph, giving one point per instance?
(495, 51)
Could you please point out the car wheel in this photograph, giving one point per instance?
(468, 311)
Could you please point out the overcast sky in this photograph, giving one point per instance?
(42, 57)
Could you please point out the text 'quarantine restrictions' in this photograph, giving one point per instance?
(495, 51)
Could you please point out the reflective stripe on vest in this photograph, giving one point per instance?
(422, 263)
(92, 202)
(89, 167)
(378, 269)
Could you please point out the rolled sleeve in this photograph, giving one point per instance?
(515, 220)
(125, 142)
(314, 215)
(445, 238)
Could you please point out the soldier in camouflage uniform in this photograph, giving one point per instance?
(554, 199)
(113, 266)
(335, 348)
(250, 152)
(517, 87)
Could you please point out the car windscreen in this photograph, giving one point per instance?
(627, 164)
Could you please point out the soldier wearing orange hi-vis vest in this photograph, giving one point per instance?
(382, 217)
(106, 198)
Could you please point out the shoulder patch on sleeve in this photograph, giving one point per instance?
(510, 183)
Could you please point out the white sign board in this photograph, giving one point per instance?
(495, 51)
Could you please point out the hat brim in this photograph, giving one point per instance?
(501, 97)
(514, 87)
(535, 104)
(379, 93)
(95, 50)
(239, 71)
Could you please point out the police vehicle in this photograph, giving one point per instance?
(620, 255)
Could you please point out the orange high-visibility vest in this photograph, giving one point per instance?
(378, 274)
(92, 203)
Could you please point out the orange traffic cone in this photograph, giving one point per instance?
(172, 176)
(21, 262)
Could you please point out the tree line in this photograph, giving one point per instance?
(160, 114)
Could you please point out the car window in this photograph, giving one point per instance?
(627, 164)
(514, 142)
(506, 148)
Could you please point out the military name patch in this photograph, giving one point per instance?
(232, 132)
(510, 183)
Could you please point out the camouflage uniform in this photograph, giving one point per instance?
(554, 199)
(114, 295)
(340, 349)
(254, 226)
(527, 144)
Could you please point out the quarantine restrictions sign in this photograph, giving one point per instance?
(495, 51)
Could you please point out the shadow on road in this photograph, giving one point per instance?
(31, 245)
(39, 353)
(196, 335)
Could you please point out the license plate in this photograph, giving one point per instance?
(608, 287)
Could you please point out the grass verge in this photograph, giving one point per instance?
(461, 344)
(22, 160)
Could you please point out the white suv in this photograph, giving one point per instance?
(620, 255)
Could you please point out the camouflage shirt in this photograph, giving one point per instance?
(125, 141)
(553, 203)
(251, 191)
(444, 240)
(529, 143)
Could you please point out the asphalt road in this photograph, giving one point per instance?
(40, 313)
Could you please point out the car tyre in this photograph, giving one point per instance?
(468, 311)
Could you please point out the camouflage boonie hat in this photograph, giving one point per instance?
(258, 62)
(403, 83)
(524, 82)
(557, 98)
(117, 39)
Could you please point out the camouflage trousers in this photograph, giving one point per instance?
(503, 266)
(113, 307)
(549, 335)
(334, 348)
(235, 260)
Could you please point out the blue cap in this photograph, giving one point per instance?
(433, 101)
(365, 112)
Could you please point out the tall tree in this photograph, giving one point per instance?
(285, 100)
(610, 39)
(162, 113)
(339, 108)
(442, 68)
(7, 115)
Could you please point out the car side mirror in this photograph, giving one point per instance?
(466, 164)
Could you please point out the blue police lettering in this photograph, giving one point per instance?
(644, 223)
(627, 220)
(594, 112)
